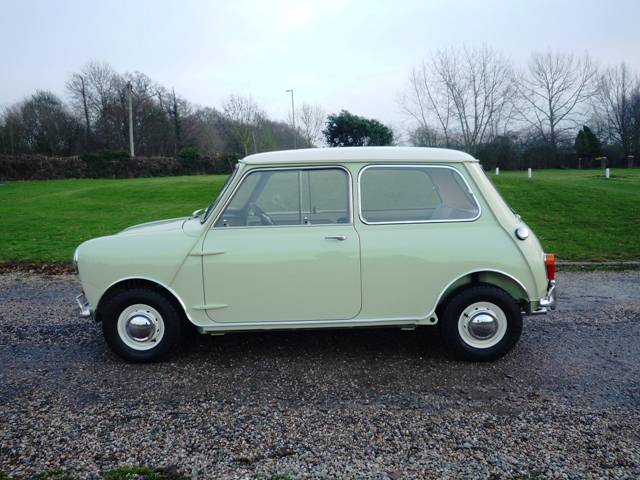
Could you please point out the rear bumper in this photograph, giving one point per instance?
(83, 304)
(548, 302)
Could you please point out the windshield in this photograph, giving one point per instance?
(215, 202)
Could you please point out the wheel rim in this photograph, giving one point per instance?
(140, 327)
(482, 325)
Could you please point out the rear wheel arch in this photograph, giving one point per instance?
(493, 278)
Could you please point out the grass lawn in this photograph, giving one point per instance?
(577, 214)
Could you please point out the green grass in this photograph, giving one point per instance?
(577, 214)
(46, 220)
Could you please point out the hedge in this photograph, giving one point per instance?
(40, 167)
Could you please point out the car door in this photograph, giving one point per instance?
(284, 249)
(417, 234)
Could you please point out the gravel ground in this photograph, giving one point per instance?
(346, 404)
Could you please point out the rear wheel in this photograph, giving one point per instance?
(141, 325)
(481, 323)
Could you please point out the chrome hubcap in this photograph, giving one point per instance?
(140, 327)
(482, 325)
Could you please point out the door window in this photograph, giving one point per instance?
(325, 196)
(415, 193)
(289, 197)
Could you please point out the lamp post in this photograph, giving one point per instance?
(131, 147)
(293, 119)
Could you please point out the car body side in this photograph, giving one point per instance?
(406, 270)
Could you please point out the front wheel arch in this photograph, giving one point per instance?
(129, 283)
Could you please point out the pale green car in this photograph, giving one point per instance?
(326, 238)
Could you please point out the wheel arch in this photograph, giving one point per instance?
(496, 278)
(142, 282)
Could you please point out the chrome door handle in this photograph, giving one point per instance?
(336, 237)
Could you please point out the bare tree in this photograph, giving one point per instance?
(94, 91)
(465, 92)
(426, 137)
(78, 91)
(613, 103)
(552, 92)
(311, 120)
(244, 114)
(635, 117)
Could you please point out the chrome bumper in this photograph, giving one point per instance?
(548, 302)
(83, 303)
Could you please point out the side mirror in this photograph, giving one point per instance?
(197, 213)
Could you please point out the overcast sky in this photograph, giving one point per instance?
(354, 55)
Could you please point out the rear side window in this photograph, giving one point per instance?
(415, 193)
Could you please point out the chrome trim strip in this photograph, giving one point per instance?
(205, 254)
(215, 306)
(306, 324)
(415, 165)
(260, 169)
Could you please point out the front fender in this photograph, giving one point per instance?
(159, 256)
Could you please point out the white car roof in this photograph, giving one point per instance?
(360, 154)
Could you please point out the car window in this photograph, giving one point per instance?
(264, 198)
(417, 193)
(289, 197)
(325, 196)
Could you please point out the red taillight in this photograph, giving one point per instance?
(550, 265)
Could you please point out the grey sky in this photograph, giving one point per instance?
(340, 54)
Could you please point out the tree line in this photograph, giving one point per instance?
(93, 117)
(561, 110)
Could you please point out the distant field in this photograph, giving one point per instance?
(577, 214)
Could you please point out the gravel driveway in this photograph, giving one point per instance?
(347, 404)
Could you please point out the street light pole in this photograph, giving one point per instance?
(293, 119)
(131, 149)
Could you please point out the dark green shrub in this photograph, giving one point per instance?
(188, 153)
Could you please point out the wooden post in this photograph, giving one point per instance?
(606, 173)
(497, 170)
(529, 172)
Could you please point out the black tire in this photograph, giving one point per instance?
(172, 318)
(454, 309)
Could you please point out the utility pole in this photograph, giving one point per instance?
(132, 153)
(293, 119)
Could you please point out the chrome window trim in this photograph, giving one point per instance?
(266, 169)
(415, 165)
(222, 193)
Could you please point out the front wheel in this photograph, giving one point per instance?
(481, 323)
(141, 325)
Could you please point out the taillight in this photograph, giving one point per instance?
(550, 265)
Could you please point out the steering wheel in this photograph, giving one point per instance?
(265, 219)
